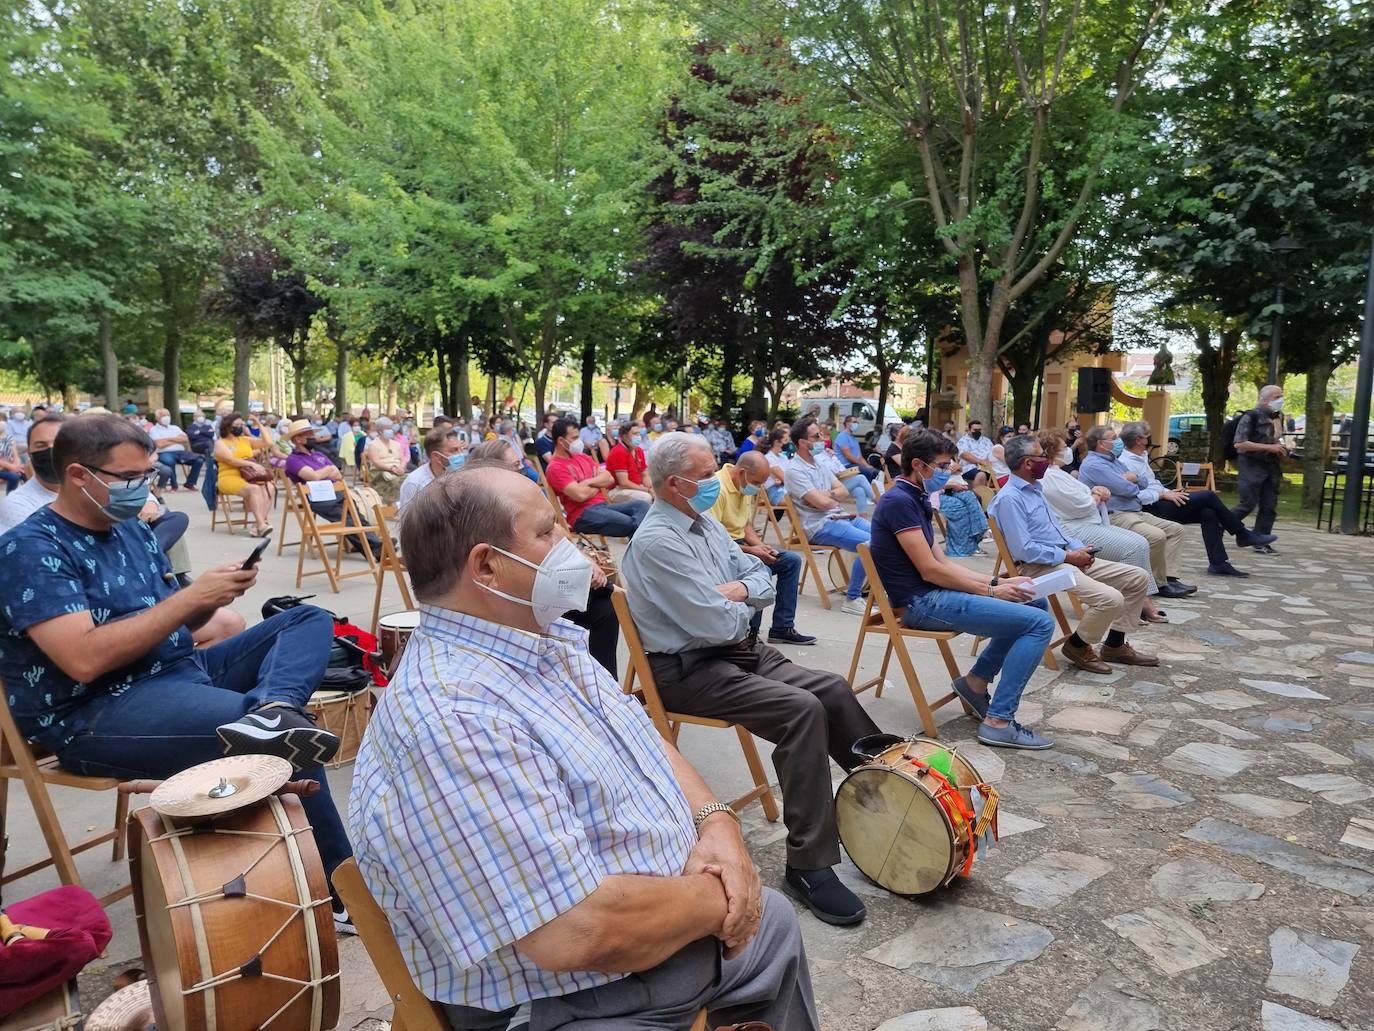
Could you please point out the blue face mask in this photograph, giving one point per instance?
(749, 490)
(817, 449)
(937, 479)
(125, 501)
(707, 492)
(759, 432)
(789, 450)
(456, 461)
(1118, 445)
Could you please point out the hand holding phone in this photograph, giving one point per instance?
(256, 553)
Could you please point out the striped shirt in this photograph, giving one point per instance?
(504, 774)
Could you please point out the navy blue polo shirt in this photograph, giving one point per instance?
(903, 508)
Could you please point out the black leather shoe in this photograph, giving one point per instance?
(789, 635)
(1173, 590)
(1251, 539)
(1225, 569)
(1190, 588)
(822, 892)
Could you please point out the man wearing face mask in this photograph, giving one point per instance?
(532, 837)
(975, 449)
(173, 449)
(1111, 593)
(1259, 467)
(41, 489)
(694, 594)
(734, 510)
(816, 494)
(578, 481)
(307, 463)
(96, 650)
(938, 594)
(444, 452)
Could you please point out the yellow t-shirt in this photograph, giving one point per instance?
(733, 508)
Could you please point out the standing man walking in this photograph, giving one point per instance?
(1259, 464)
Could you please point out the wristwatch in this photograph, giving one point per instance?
(710, 809)
(992, 586)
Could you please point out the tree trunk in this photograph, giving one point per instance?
(340, 377)
(540, 379)
(588, 376)
(69, 397)
(297, 386)
(171, 346)
(1318, 431)
(243, 355)
(729, 363)
(979, 387)
(1215, 366)
(462, 382)
(110, 361)
(1022, 384)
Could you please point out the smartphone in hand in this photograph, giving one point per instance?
(256, 553)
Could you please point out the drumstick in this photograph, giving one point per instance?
(295, 787)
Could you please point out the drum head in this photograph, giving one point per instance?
(220, 785)
(919, 748)
(895, 832)
(407, 620)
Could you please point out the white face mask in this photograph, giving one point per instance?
(577, 447)
(561, 582)
(1066, 456)
(164, 420)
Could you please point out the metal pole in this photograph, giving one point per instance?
(1359, 431)
(1278, 332)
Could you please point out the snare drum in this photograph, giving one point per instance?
(344, 714)
(905, 824)
(234, 919)
(393, 633)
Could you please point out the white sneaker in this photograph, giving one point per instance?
(854, 606)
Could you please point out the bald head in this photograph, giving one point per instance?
(753, 464)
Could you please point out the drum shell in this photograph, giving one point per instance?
(344, 714)
(184, 945)
(895, 830)
(393, 634)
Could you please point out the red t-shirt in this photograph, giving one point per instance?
(632, 464)
(563, 471)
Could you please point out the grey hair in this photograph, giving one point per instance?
(1014, 451)
(1271, 389)
(670, 455)
(1134, 431)
(1096, 434)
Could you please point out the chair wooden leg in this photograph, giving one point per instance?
(121, 818)
(948, 655)
(913, 683)
(377, 603)
(751, 759)
(815, 571)
(858, 651)
(51, 827)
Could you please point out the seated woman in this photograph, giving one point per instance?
(242, 472)
(1000, 472)
(1082, 512)
(387, 459)
(965, 521)
(777, 457)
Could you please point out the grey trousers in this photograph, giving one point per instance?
(770, 981)
(806, 714)
(1257, 482)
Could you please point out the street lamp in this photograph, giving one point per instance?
(1280, 249)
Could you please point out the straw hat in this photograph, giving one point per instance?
(298, 427)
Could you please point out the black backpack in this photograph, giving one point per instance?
(1228, 437)
(351, 664)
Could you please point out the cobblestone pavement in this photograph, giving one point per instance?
(1196, 852)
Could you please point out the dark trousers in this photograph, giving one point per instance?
(1258, 485)
(1206, 510)
(167, 463)
(806, 714)
(614, 520)
(166, 723)
(169, 528)
(603, 629)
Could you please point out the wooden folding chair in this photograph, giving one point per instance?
(389, 562)
(412, 1011)
(772, 519)
(669, 724)
(796, 541)
(224, 512)
(1003, 564)
(315, 533)
(557, 505)
(19, 761)
(1205, 470)
(290, 512)
(881, 618)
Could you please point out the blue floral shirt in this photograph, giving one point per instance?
(55, 567)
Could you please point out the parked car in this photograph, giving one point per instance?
(1185, 422)
(863, 409)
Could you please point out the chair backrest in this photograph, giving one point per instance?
(795, 536)
(1004, 565)
(639, 664)
(416, 1012)
(877, 593)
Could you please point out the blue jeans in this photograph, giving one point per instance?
(1019, 635)
(168, 462)
(775, 494)
(12, 480)
(166, 723)
(863, 493)
(846, 534)
(786, 572)
(619, 520)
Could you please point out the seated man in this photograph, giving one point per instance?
(627, 463)
(693, 594)
(1188, 507)
(443, 451)
(578, 481)
(96, 651)
(816, 494)
(41, 488)
(975, 450)
(1111, 593)
(734, 510)
(938, 594)
(1100, 468)
(848, 452)
(530, 836)
(174, 449)
(307, 463)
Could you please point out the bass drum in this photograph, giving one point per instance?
(393, 634)
(906, 825)
(234, 919)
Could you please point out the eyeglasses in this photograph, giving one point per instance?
(128, 482)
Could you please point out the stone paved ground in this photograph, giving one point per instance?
(1197, 852)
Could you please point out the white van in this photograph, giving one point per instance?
(864, 410)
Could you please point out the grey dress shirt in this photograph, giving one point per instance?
(670, 573)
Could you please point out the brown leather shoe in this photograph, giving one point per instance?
(1125, 655)
(1084, 657)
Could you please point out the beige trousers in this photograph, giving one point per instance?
(1166, 540)
(1111, 594)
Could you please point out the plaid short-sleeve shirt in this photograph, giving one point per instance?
(503, 776)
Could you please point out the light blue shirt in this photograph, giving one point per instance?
(1024, 517)
(846, 440)
(670, 573)
(1099, 470)
(504, 775)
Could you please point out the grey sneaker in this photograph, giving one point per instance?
(975, 704)
(1013, 735)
